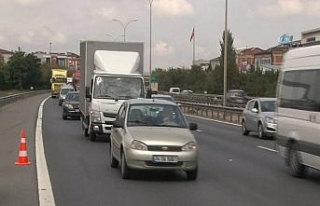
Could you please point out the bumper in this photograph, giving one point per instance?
(270, 129)
(99, 128)
(143, 160)
(73, 114)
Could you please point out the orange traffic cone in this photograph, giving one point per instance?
(23, 156)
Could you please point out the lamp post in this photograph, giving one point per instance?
(124, 26)
(150, 3)
(225, 56)
(50, 47)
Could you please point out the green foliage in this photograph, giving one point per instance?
(21, 72)
(255, 82)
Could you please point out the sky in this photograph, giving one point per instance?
(33, 24)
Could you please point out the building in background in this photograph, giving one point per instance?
(245, 58)
(310, 37)
(6, 55)
(69, 60)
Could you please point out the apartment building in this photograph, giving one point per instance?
(6, 55)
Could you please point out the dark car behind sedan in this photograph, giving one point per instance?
(70, 107)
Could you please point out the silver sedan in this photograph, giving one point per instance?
(259, 116)
(152, 134)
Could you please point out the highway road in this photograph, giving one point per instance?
(234, 170)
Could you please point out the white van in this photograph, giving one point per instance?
(174, 90)
(298, 93)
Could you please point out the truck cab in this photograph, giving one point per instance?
(107, 79)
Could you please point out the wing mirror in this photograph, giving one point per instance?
(117, 124)
(255, 110)
(193, 126)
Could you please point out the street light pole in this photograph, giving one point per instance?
(150, 3)
(225, 56)
(124, 26)
(50, 47)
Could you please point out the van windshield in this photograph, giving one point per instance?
(106, 87)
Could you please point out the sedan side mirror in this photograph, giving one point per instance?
(255, 110)
(193, 126)
(117, 124)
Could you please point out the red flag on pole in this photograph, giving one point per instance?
(192, 34)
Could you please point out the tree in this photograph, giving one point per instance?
(23, 71)
(3, 75)
(233, 78)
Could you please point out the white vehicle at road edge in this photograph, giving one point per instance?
(298, 93)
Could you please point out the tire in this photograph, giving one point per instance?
(192, 174)
(86, 132)
(125, 171)
(244, 130)
(296, 169)
(114, 163)
(64, 116)
(261, 134)
(93, 136)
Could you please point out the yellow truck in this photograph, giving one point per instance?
(58, 79)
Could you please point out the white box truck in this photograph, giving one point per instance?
(110, 73)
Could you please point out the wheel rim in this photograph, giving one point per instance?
(294, 163)
(243, 127)
(260, 131)
(122, 164)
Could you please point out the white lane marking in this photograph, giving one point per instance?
(266, 148)
(199, 130)
(46, 197)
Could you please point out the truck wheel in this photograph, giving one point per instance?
(294, 162)
(93, 136)
(86, 133)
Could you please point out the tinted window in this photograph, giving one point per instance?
(300, 90)
(268, 106)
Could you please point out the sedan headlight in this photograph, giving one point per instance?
(69, 106)
(189, 146)
(270, 120)
(95, 115)
(138, 145)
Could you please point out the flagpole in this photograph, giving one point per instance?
(194, 46)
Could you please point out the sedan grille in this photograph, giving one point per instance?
(150, 163)
(165, 148)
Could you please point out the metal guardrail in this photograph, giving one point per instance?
(227, 114)
(14, 97)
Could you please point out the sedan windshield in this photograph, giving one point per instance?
(155, 115)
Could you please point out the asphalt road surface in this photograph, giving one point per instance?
(234, 169)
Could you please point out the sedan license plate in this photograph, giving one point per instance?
(165, 159)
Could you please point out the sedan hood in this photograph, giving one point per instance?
(162, 135)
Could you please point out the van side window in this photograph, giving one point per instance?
(300, 90)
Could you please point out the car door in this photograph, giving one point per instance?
(255, 115)
(117, 133)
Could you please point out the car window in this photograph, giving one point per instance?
(250, 105)
(256, 105)
(160, 115)
(268, 106)
(65, 91)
